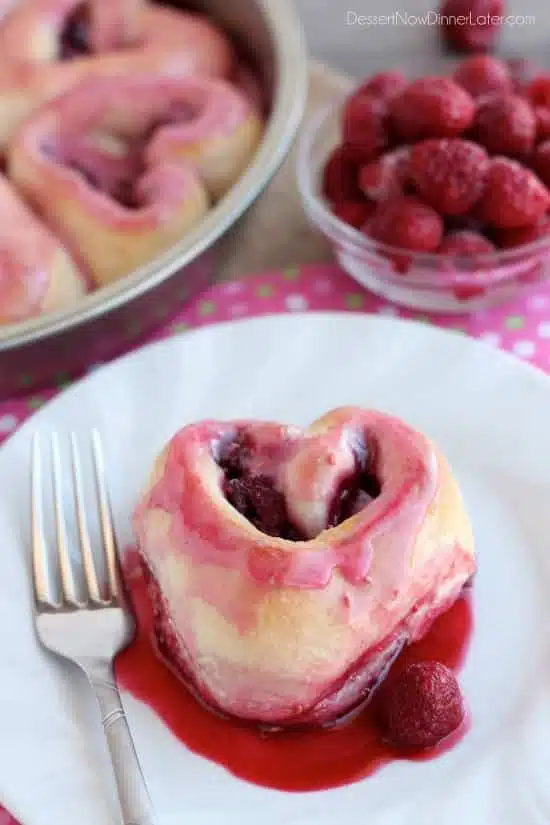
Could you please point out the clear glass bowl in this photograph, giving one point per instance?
(421, 281)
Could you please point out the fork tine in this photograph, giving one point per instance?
(107, 531)
(68, 586)
(90, 572)
(39, 574)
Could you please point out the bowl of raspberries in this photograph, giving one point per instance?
(435, 191)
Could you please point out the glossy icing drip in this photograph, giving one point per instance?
(308, 470)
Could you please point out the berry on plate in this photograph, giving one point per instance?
(420, 706)
(431, 107)
(449, 174)
(514, 196)
(405, 222)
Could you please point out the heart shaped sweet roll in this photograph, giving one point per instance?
(289, 567)
(36, 273)
(122, 168)
(174, 43)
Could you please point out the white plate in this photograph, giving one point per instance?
(489, 412)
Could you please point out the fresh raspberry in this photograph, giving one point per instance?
(542, 114)
(340, 178)
(363, 125)
(511, 238)
(522, 72)
(538, 90)
(449, 174)
(465, 245)
(506, 125)
(235, 454)
(541, 162)
(479, 34)
(257, 499)
(514, 196)
(383, 86)
(420, 706)
(385, 177)
(482, 75)
(431, 107)
(405, 222)
(354, 213)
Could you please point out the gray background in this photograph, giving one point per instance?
(359, 49)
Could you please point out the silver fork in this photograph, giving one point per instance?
(88, 631)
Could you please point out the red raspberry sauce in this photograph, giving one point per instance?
(308, 760)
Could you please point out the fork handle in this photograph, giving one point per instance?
(135, 802)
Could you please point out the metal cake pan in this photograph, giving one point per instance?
(104, 323)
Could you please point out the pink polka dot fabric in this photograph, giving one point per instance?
(521, 327)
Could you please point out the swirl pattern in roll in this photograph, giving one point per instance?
(289, 567)
(122, 168)
(36, 272)
(32, 45)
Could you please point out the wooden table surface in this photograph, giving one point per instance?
(276, 232)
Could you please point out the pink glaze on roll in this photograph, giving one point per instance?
(217, 135)
(36, 273)
(368, 543)
(174, 44)
(124, 167)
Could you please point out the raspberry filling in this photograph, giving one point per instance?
(355, 493)
(255, 495)
(113, 164)
(75, 37)
(116, 177)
